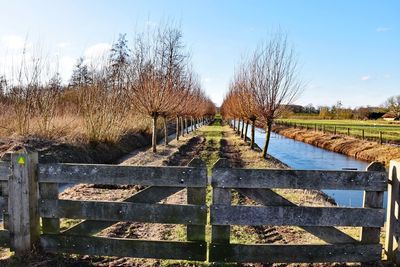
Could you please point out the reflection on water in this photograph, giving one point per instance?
(302, 156)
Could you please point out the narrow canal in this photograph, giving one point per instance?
(299, 155)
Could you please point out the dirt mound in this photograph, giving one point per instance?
(54, 151)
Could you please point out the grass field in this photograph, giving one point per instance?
(371, 129)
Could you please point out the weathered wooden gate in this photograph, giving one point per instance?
(257, 184)
(161, 182)
(29, 191)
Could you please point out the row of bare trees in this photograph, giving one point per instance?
(151, 79)
(261, 86)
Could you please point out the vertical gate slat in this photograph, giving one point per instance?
(50, 191)
(197, 196)
(372, 199)
(392, 219)
(221, 234)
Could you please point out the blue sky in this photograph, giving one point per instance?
(348, 50)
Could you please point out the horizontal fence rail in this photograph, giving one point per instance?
(295, 179)
(297, 216)
(121, 247)
(121, 175)
(123, 211)
(278, 211)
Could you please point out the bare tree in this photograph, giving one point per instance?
(393, 104)
(158, 68)
(262, 86)
(274, 80)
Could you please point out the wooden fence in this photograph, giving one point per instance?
(364, 133)
(33, 193)
(257, 184)
(29, 192)
(392, 232)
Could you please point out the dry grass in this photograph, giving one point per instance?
(68, 128)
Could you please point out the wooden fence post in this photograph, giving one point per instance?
(392, 217)
(380, 137)
(197, 196)
(372, 199)
(24, 224)
(335, 130)
(220, 234)
(363, 134)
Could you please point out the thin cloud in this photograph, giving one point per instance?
(382, 29)
(151, 23)
(97, 51)
(13, 42)
(63, 44)
(387, 76)
(365, 78)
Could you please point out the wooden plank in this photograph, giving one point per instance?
(24, 220)
(49, 191)
(392, 212)
(122, 247)
(3, 204)
(152, 194)
(118, 174)
(123, 211)
(5, 171)
(294, 253)
(372, 199)
(221, 234)
(196, 196)
(268, 197)
(4, 238)
(298, 216)
(299, 179)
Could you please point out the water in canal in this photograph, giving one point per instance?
(299, 155)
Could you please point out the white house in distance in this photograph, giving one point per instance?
(390, 116)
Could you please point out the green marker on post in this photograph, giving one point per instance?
(21, 160)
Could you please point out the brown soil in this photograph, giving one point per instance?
(55, 151)
(360, 149)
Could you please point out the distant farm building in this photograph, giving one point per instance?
(390, 116)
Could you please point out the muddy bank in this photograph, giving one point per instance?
(360, 149)
(53, 151)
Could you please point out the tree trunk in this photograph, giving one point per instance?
(182, 128)
(234, 124)
(154, 134)
(187, 126)
(267, 137)
(238, 128)
(242, 131)
(165, 130)
(253, 130)
(177, 128)
(245, 132)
